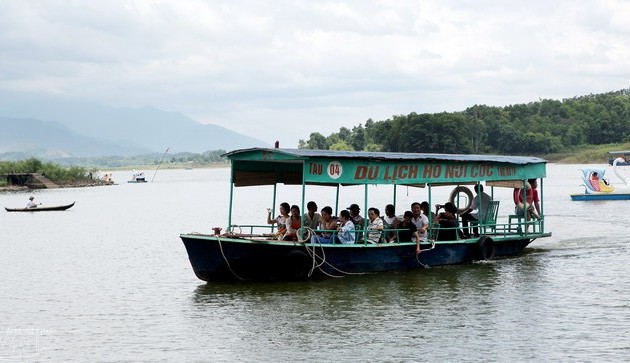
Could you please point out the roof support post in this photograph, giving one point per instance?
(229, 228)
(365, 218)
(337, 202)
(302, 207)
(273, 205)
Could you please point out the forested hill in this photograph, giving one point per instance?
(536, 128)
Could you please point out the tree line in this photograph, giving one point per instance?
(210, 157)
(537, 128)
(52, 171)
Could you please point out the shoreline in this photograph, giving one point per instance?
(147, 168)
(78, 184)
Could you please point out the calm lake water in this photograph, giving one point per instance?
(109, 280)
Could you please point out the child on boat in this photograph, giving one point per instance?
(293, 224)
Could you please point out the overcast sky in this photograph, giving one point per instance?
(282, 69)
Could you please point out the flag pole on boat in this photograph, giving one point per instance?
(156, 169)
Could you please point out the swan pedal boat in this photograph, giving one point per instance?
(252, 252)
(596, 187)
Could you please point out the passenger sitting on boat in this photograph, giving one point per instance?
(532, 202)
(293, 224)
(328, 223)
(448, 222)
(420, 220)
(312, 218)
(375, 224)
(280, 220)
(480, 203)
(346, 229)
(409, 229)
(357, 220)
(30, 203)
(536, 210)
(390, 221)
(425, 209)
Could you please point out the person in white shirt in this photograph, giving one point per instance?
(30, 203)
(481, 204)
(312, 219)
(420, 220)
(281, 219)
(390, 221)
(375, 226)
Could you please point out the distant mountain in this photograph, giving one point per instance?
(31, 137)
(144, 128)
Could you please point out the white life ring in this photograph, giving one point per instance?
(455, 195)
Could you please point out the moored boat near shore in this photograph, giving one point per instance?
(137, 177)
(253, 252)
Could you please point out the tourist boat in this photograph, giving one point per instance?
(597, 187)
(137, 177)
(251, 252)
(41, 209)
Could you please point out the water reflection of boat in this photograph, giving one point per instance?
(137, 177)
(597, 187)
(251, 252)
(41, 209)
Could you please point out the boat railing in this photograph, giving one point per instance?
(249, 229)
(512, 227)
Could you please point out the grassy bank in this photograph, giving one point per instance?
(591, 154)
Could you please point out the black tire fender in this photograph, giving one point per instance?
(455, 193)
(486, 248)
(297, 264)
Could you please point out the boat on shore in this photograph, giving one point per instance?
(253, 252)
(40, 208)
(597, 187)
(137, 177)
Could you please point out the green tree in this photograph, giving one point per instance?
(341, 146)
(358, 138)
(317, 141)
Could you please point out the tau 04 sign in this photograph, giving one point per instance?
(334, 169)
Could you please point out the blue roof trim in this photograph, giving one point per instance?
(369, 155)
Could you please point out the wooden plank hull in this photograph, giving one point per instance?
(40, 209)
(226, 259)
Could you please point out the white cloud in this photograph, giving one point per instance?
(281, 69)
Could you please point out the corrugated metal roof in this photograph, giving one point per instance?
(392, 156)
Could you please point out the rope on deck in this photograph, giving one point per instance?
(429, 249)
(322, 259)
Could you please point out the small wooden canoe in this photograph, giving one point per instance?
(40, 209)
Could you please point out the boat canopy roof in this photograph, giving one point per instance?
(266, 166)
